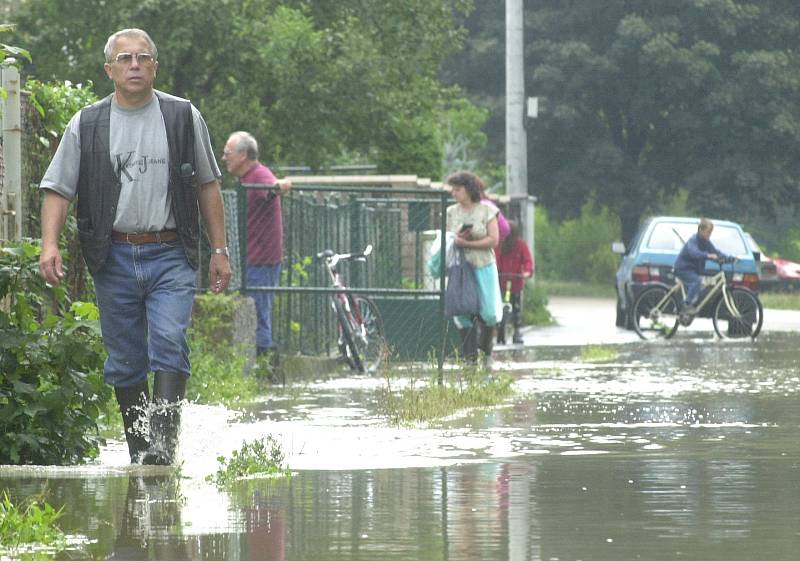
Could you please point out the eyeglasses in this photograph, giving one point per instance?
(144, 59)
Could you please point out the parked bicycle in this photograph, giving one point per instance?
(736, 311)
(360, 339)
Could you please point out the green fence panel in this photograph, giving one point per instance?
(400, 225)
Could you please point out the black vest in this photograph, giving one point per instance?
(99, 185)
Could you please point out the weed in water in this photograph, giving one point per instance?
(262, 457)
(598, 353)
(463, 388)
(31, 522)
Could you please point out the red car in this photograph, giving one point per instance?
(775, 273)
(787, 274)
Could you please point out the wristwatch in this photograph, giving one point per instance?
(221, 251)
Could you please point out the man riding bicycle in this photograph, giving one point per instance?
(691, 262)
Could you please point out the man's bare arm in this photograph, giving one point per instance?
(54, 214)
(213, 212)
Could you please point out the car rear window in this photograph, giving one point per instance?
(664, 237)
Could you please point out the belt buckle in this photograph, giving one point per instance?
(158, 237)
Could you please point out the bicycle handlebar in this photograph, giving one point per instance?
(336, 257)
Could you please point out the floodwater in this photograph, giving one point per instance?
(686, 449)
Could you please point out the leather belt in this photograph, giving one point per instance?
(145, 237)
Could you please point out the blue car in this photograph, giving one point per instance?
(655, 247)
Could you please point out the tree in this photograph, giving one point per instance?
(645, 97)
(9, 54)
(311, 79)
(650, 96)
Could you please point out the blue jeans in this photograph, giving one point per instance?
(692, 282)
(263, 275)
(145, 295)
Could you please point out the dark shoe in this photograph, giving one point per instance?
(486, 345)
(133, 404)
(469, 344)
(165, 420)
(516, 321)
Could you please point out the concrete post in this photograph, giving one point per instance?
(11, 192)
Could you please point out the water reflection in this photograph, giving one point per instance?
(150, 525)
(552, 507)
(668, 452)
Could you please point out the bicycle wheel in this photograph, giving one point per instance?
(651, 320)
(370, 340)
(746, 323)
(347, 337)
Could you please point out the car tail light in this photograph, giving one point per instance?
(645, 273)
(747, 280)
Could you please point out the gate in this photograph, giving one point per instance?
(400, 223)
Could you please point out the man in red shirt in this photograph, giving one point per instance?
(264, 228)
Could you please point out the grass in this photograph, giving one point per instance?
(261, 458)
(31, 522)
(780, 300)
(218, 374)
(576, 288)
(464, 388)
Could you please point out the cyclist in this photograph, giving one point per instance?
(691, 262)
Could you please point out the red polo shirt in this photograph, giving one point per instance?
(264, 220)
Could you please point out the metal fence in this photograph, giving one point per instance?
(401, 224)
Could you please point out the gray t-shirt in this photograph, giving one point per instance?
(140, 156)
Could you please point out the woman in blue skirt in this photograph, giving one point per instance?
(475, 228)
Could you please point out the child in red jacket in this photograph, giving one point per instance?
(515, 264)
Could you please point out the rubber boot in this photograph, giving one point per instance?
(165, 419)
(516, 320)
(469, 344)
(133, 404)
(486, 345)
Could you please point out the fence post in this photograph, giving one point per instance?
(443, 256)
(241, 217)
(11, 189)
(356, 243)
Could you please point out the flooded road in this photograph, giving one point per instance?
(686, 449)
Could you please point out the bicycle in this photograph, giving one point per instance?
(737, 311)
(360, 341)
(507, 308)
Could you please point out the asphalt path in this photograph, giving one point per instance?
(590, 321)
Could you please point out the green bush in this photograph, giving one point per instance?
(577, 249)
(534, 305)
(51, 358)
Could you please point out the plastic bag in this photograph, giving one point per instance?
(434, 262)
(461, 296)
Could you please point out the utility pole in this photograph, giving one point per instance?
(516, 135)
(516, 141)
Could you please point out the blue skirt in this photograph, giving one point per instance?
(489, 294)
